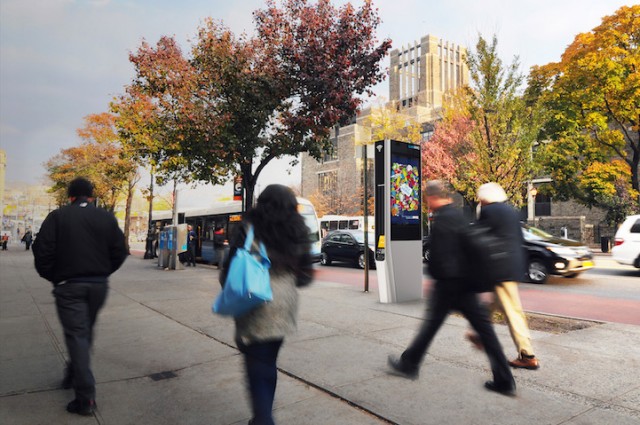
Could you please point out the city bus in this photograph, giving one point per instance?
(228, 215)
(329, 223)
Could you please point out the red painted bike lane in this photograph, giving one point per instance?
(581, 306)
(573, 305)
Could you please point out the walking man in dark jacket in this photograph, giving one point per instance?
(452, 290)
(27, 238)
(78, 247)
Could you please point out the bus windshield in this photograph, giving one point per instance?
(309, 215)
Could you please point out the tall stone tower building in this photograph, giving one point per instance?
(420, 77)
(422, 73)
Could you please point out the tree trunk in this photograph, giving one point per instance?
(127, 213)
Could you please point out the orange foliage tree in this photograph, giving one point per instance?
(593, 100)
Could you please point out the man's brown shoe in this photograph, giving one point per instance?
(525, 362)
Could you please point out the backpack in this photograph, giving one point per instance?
(488, 257)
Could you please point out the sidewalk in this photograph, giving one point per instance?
(161, 357)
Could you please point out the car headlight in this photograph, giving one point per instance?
(562, 251)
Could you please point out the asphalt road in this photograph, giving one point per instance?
(609, 292)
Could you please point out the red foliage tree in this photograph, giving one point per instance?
(236, 100)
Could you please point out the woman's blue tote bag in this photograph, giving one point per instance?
(247, 284)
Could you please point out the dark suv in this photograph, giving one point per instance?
(548, 254)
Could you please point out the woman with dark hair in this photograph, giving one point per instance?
(260, 333)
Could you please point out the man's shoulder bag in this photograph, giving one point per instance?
(488, 258)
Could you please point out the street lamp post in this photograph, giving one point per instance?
(365, 218)
(148, 253)
(531, 203)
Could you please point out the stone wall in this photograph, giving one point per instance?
(576, 227)
(584, 224)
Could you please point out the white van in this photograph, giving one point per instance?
(626, 249)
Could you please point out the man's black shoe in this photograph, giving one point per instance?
(67, 381)
(508, 389)
(400, 368)
(82, 407)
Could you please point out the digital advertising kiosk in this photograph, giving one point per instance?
(398, 221)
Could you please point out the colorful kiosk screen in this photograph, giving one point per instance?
(405, 191)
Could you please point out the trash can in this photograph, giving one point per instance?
(605, 243)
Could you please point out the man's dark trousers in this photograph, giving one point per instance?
(441, 302)
(78, 304)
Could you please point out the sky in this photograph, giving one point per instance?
(61, 60)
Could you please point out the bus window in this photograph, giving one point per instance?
(343, 224)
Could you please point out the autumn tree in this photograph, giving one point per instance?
(140, 134)
(593, 101)
(236, 103)
(99, 158)
(450, 143)
(387, 121)
(488, 129)
(343, 201)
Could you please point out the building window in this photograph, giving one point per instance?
(328, 185)
(542, 205)
(333, 155)
(427, 134)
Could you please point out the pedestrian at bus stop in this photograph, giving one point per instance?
(453, 290)
(78, 247)
(261, 332)
(192, 240)
(218, 245)
(503, 221)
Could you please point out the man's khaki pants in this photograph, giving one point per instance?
(508, 300)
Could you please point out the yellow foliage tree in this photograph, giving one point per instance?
(593, 101)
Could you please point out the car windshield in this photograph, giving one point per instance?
(533, 233)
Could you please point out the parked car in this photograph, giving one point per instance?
(346, 246)
(626, 248)
(548, 254)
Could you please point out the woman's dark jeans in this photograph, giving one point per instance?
(262, 373)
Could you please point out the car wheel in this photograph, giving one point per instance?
(361, 260)
(538, 272)
(325, 261)
(426, 255)
(571, 275)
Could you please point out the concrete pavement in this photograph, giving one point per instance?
(161, 357)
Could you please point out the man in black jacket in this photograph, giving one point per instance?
(78, 247)
(452, 290)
